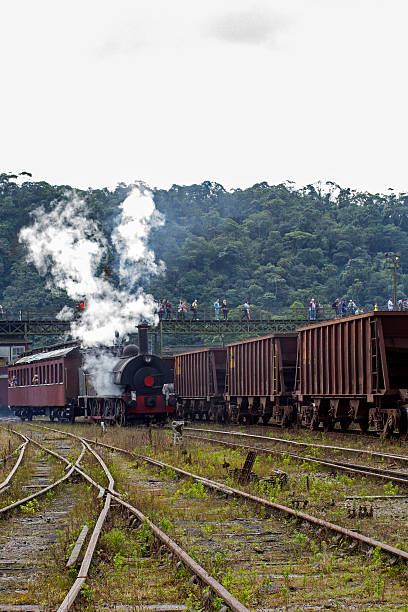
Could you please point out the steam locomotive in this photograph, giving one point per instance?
(54, 382)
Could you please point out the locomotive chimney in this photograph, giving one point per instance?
(143, 340)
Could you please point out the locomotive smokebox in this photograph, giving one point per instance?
(143, 339)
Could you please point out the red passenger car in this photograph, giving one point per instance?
(45, 382)
(3, 387)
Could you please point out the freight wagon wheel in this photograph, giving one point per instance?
(345, 424)
(314, 423)
(328, 425)
(364, 424)
(403, 425)
(388, 428)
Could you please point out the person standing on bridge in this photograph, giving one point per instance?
(217, 309)
(246, 315)
(312, 309)
(194, 310)
(224, 309)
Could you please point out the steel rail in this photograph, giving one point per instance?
(45, 489)
(195, 568)
(4, 459)
(75, 589)
(83, 572)
(216, 587)
(296, 443)
(217, 486)
(399, 477)
(22, 449)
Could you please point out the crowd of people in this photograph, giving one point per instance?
(221, 309)
(342, 308)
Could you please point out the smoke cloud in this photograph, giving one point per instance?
(99, 366)
(67, 246)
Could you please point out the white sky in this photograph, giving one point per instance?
(181, 91)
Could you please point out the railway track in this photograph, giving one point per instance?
(199, 573)
(230, 491)
(352, 468)
(342, 533)
(248, 541)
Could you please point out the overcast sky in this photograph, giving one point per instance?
(181, 91)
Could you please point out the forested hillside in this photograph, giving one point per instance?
(273, 245)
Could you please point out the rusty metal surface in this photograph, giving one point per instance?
(358, 356)
(363, 470)
(77, 547)
(17, 463)
(200, 374)
(199, 571)
(216, 587)
(45, 489)
(347, 449)
(354, 535)
(261, 367)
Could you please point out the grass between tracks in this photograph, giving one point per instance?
(277, 564)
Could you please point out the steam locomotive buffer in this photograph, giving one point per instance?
(54, 382)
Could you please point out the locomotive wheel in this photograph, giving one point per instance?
(266, 419)
(120, 414)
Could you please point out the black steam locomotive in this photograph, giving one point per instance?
(53, 382)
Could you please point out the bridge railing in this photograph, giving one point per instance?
(203, 314)
(255, 314)
(15, 314)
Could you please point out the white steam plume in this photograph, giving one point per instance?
(69, 246)
(138, 215)
(100, 365)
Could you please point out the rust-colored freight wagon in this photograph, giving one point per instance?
(354, 369)
(199, 380)
(260, 378)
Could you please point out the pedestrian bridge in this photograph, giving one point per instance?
(23, 326)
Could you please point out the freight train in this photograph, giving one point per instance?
(332, 372)
(54, 382)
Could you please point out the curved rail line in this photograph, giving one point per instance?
(217, 486)
(195, 568)
(22, 449)
(49, 487)
(364, 470)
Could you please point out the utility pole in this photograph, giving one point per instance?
(392, 260)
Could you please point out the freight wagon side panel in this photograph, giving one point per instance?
(335, 359)
(395, 338)
(261, 367)
(199, 374)
(360, 356)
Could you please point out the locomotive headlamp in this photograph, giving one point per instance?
(147, 358)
